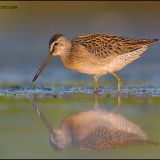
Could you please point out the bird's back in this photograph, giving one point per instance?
(101, 54)
(103, 46)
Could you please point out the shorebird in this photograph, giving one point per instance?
(95, 129)
(95, 54)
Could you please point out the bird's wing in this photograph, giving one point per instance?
(103, 46)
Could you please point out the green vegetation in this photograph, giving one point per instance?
(20, 121)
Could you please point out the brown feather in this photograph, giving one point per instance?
(103, 46)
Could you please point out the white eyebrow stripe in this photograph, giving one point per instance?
(51, 47)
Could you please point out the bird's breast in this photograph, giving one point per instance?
(83, 62)
(86, 67)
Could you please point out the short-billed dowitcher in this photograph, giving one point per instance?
(94, 129)
(95, 54)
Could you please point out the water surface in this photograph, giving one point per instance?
(24, 134)
(60, 93)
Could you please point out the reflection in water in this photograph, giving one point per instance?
(94, 129)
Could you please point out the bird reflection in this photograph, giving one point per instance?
(94, 129)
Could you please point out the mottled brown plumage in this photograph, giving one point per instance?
(96, 54)
(95, 130)
(102, 45)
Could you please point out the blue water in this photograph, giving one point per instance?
(60, 93)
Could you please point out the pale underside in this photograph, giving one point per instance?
(83, 61)
(99, 54)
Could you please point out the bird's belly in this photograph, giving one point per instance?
(96, 69)
(121, 61)
(90, 69)
(101, 67)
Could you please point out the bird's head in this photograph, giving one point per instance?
(58, 45)
(58, 139)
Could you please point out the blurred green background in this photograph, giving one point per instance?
(25, 33)
(24, 37)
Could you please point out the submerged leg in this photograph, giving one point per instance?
(95, 90)
(96, 103)
(118, 104)
(118, 82)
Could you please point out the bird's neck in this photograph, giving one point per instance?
(64, 56)
(67, 48)
(64, 137)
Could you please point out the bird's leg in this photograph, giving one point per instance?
(95, 90)
(118, 82)
(118, 104)
(96, 103)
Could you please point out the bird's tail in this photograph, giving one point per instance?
(148, 41)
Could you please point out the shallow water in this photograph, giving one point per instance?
(57, 92)
(28, 112)
(24, 133)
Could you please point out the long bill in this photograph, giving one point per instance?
(43, 118)
(46, 61)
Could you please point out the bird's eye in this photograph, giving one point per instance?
(55, 44)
